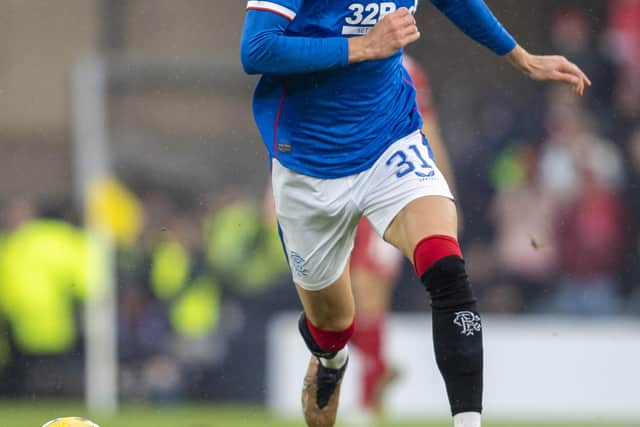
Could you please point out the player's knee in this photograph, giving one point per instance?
(448, 284)
(432, 249)
(438, 261)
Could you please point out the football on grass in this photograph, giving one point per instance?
(70, 422)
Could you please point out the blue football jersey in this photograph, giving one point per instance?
(334, 123)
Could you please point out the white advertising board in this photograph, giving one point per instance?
(536, 368)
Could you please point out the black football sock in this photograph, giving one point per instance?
(457, 333)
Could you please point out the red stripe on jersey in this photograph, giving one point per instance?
(277, 120)
(266, 9)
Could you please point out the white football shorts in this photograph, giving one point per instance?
(318, 217)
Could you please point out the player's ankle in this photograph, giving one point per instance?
(467, 419)
(337, 361)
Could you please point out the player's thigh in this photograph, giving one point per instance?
(330, 308)
(423, 217)
(407, 198)
(318, 221)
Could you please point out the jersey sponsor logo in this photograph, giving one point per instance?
(271, 7)
(469, 322)
(363, 17)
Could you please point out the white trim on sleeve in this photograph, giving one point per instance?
(271, 7)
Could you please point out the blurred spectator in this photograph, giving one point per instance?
(623, 36)
(170, 303)
(592, 249)
(632, 199)
(244, 246)
(114, 210)
(584, 173)
(573, 35)
(525, 217)
(197, 266)
(572, 145)
(44, 268)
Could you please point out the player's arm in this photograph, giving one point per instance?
(267, 49)
(549, 67)
(475, 19)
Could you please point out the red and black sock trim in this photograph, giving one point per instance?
(327, 379)
(323, 343)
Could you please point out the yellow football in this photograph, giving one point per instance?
(70, 422)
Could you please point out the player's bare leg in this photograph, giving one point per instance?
(426, 232)
(331, 308)
(326, 325)
(426, 216)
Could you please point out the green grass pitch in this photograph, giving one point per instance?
(35, 413)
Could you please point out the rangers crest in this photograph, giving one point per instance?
(469, 322)
(297, 264)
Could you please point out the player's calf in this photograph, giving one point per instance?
(457, 328)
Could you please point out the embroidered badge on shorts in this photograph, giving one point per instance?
(297, 264)
(469, 322)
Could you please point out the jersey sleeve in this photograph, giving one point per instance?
(285, 8)
(266, 48)
(476, 20)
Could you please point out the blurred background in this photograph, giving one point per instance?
(137, 250)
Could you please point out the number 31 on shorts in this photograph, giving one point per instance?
(405, 160)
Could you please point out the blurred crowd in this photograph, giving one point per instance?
(196, 280)
(553, 211)
(550, 196)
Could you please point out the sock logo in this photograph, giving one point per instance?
(469, 322)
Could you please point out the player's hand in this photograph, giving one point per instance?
(390, 34)
(543, 67)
